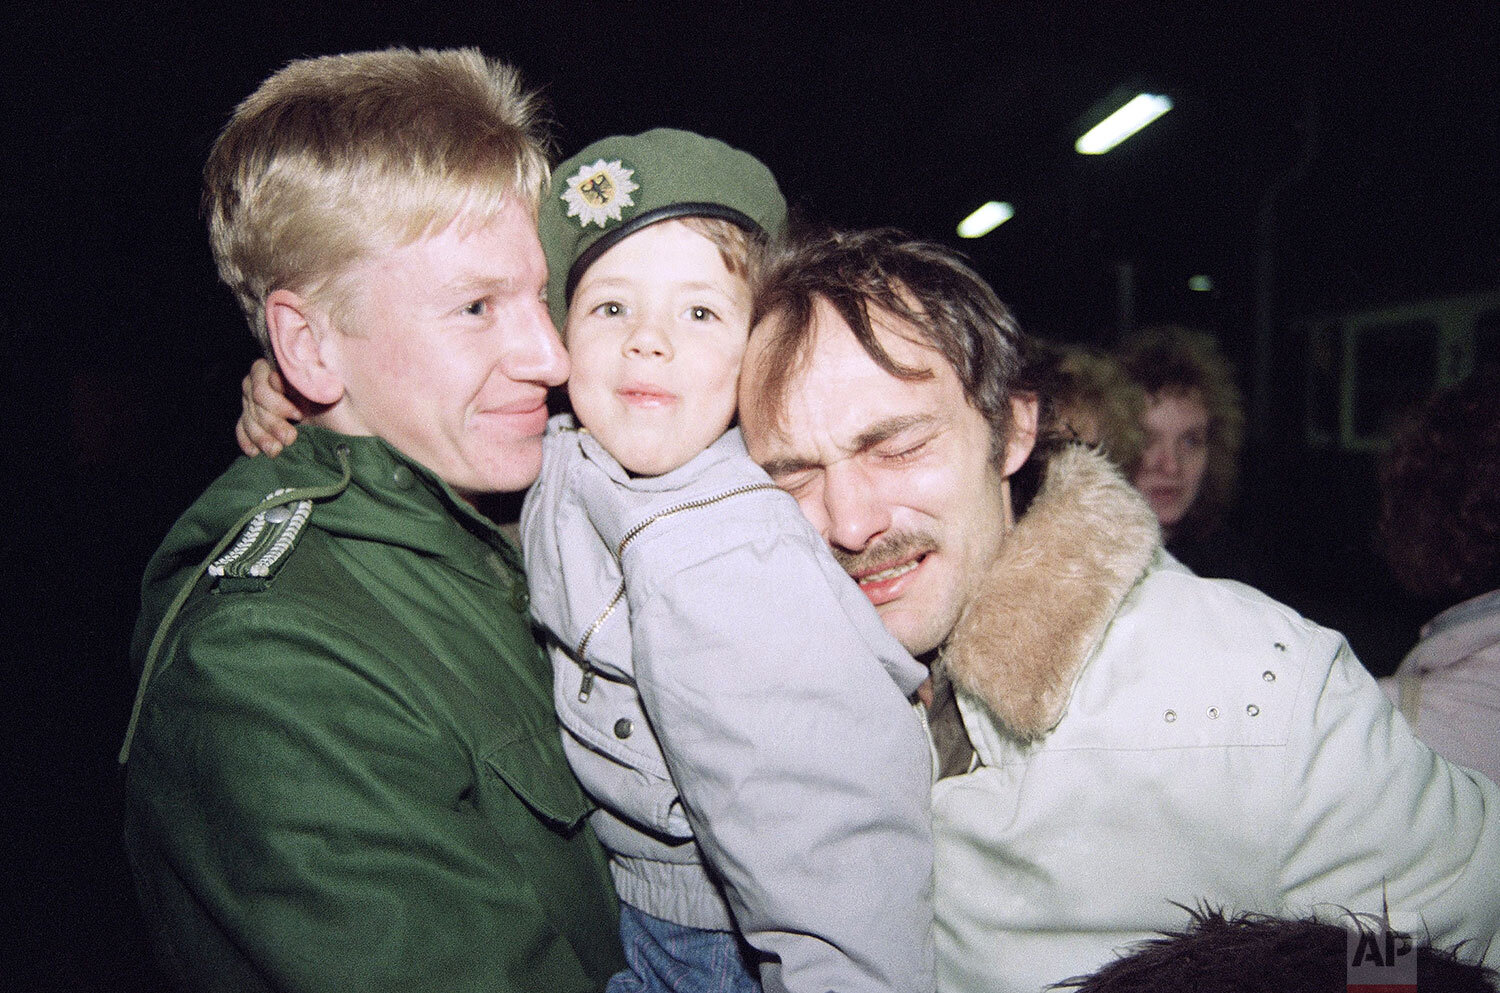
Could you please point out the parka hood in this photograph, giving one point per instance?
(1043, 607)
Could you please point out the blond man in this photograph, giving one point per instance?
(344, 772)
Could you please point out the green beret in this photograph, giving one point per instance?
(618, 185)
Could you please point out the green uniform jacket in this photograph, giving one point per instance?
(347, 774)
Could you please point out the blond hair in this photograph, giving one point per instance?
(335, 159)
(1174, 361)
(1082, 385)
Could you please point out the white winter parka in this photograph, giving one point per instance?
(1147, 738)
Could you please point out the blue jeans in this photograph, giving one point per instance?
(663, 957)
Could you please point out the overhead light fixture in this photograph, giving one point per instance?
(1201, 284)
(1140, 111)
(985, 219)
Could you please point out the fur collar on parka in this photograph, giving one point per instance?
(1059, 579)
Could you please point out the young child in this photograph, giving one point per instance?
(727, 695)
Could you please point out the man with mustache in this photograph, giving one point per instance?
(1114, 737)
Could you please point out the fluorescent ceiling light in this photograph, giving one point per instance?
(985, 219)
(1139, 112)
(1201, 284)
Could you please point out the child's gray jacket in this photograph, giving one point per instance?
(729, 697)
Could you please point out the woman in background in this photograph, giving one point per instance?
(1194, 424)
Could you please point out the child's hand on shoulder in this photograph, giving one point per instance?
(267, 416)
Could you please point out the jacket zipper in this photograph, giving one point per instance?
(588, 670)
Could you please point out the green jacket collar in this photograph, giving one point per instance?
(402, 500)
(360, 486)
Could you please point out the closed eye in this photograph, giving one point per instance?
(793, 482)
(902, 453)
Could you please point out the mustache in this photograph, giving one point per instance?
(890, 548)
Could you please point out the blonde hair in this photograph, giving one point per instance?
(1170, 361)
(1079, 381)
(335, 159)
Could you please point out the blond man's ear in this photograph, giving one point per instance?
(298, 332)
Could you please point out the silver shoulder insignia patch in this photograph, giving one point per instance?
(265, 541)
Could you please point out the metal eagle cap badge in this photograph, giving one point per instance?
(596, 193)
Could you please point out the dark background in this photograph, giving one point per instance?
(1317, 161)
